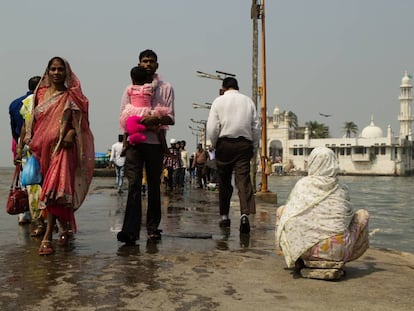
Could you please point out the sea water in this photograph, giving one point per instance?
(389, 201)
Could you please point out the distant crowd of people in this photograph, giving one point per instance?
(180, 168)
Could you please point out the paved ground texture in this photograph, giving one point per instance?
(196, 266)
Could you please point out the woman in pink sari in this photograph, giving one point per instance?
(60, 138)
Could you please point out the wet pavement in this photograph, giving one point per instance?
(196, 266)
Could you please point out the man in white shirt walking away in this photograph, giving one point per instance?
(118, 160)
(234, 130)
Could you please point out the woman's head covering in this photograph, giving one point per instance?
(72, 84)
(322, 162)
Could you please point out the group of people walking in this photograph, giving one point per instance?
(197, 169)
(316, 228)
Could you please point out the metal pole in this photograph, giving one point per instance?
(254, 14)
(264, 108)
(205, 135)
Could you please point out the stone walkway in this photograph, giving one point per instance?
(196, 266)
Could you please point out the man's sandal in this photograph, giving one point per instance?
(46, 248)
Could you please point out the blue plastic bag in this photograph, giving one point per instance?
(31, 172)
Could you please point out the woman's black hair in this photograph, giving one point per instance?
(54, 58)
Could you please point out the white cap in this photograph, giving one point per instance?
(173, 141)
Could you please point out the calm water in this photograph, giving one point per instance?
(389, 201)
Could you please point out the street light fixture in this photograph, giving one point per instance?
(203, 106)
(198, 129)
(196, 133)
(203, 129)
(219, 76)
(204, 122)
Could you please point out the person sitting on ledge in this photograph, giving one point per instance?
(317, 230)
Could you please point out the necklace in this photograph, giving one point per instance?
(51, 93)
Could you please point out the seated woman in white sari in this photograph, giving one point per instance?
(317, 227)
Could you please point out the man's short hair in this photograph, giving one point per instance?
(33, 82)
(148, 53)
(230, 83)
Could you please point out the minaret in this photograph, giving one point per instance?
(276, 117)
(405, 117)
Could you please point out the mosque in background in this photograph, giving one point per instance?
(370, 153)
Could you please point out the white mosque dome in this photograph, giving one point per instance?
(405, 81)
(371, 131)
(276, 110)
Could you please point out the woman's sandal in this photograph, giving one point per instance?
(65, 237)
(46, 248)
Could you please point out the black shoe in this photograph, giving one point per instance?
(126, 238)
(244, 224)
(154, 235)
(244, 240)
(224, 223)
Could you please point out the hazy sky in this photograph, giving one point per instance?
(344, 58)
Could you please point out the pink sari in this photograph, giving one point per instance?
(67, 172)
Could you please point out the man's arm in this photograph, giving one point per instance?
(112, 157)
(166, 99)
(256, 127)
(213, 126)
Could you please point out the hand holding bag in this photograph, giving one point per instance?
(18, 200)
(31, 172)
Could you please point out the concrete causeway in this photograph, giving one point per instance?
(196, 266)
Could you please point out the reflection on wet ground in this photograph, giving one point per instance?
(96, 263)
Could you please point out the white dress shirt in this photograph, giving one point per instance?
(232, 115)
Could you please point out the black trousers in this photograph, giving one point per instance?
(234, 154)
(136, 157)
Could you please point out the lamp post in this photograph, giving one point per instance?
(255, 16)
(204, 122)
(196, 133)
(203, 129)
(263, 103)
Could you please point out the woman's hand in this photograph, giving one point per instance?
(18, 156)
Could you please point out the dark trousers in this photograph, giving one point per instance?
(201, 175)
(136, 156)
(234, 154)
